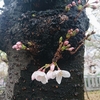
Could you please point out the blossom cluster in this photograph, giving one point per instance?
(41, 76)
(19, 46)
(66, 45)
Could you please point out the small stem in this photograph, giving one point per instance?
(81, 10)
(73, 52)
(57, 55)
(87, 36)
(82, 42)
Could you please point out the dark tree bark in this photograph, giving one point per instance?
(44, 30)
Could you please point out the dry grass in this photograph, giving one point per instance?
(93, 95)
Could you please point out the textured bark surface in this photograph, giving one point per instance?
(44, 30)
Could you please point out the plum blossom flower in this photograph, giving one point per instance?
(39, 76)
(61, 73)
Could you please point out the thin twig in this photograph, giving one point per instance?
(81, 10)
(73, 52)
(57, 55)
(86, 37)
(82, 42)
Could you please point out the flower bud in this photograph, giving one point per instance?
(79, 1)
(66, 42)
(67, 8)
(77, 30)
(18, 43)
(30, 43)
(14, 46)
(60, 39)
(67, 35)
(79, 7)
(71, 49)
(73, 3)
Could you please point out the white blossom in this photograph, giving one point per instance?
(40, 76)
(51, 74)
(61, 73)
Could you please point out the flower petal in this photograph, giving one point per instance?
(44, 80)
(51, 74)
(33, 76)
(65, 73)
(58, 78)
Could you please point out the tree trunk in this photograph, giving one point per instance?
(43, 28)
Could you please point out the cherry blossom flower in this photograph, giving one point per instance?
(51, 74)
(60, 74)
(40, 76)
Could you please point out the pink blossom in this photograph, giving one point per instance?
(40, 76)
(14, 46)
(77, 30)
(71, 48)
(74, 3)
(79, 1)
(17, 49)
(71, 30)
(66, 42)
(20, 46)
(18, 43)
(17, 46)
